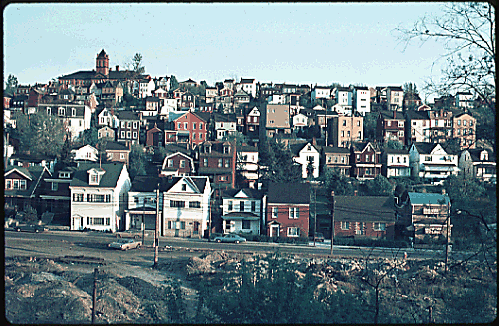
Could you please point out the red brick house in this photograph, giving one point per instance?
(288, 209)
(365, 159)
(154, 137)
(354, 217)
(117, 152)
(177, 164)
(217, 160)
(191, 126)
(390, 126)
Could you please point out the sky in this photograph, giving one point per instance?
(295, 43)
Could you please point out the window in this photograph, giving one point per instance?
(200, 125)
(219, 162)
(427, 158)
(471, 123)
(358, 123)
(122, 134)
(205, 162)
(464, 132)
(184, 187)
(108, 221)
(122, 156)
(62, 111)
(182, 225)
(230, 205)
(246, 225)
(293, 232)
(241, 206)
(55, 186)
(227, 163)
(194, 204)
(123, 124)
(78, 197)
(177, 203)
(73, 112)
(182, 163)
(253, 206)
(185, 125)
(274, 212)
(379, 226)
(134, 135)
(193, 126)
(135, 125)
(458, 122)
(170, 225)
(94, 178)
(348, 133)
(294, 213)
(344, 122)
(345, 225)
(342, 133)
(359, 135)
(464, 122)
(358, 157)
(97, 221)
(179, 126)
(128, 134)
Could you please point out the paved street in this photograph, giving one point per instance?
(60, 243)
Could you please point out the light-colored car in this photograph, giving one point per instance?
(131, 234)
(125, 244)
(230, 238)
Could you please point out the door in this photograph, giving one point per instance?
(274, 230)
(77, 222)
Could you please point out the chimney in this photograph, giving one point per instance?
(394, 114)
(117, 68)
(314, 141)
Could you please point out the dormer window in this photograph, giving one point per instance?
(226, 149)
(64, 175)
(484, 156)
(94, 176)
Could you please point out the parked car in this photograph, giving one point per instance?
(131, 234)
(230, 238)
(125, 244)
(30, 228)
(319, 237)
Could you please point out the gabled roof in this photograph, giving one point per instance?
(127, 115)
(475, 155)
(386, 114)
(424, 148)
(297, 148)
(418, 198)
(289, 193)
(245, 192)
(417, 115)
(32, 173)
(246, 148)
(205, 116)
(396, 151)
(361, 146)
(230, 117)
(199, 183)
(241, 93)
(116, 146)
(364, 208)
(109, 178)
(338, 150)
(247, 80)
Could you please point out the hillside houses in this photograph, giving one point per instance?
(202, 145)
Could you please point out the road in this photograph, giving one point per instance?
(94, 244)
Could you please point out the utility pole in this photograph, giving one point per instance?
(332, 221)
(94, 295)
(447, 240)
(156, 230)
(315, 213)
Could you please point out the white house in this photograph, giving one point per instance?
(361, 99)
(277, 99)
(247, 164)
(248, 85)
(106, 118)
(431, 162)
(321, 92)
(76, 117)
(242, 211)
(169, 105)
(98, 196)
(85, 153)
(300, 121)
(307, 155)
(142, 199)
(186, 206)
(395, 163)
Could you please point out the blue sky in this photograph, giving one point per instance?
(318, 43)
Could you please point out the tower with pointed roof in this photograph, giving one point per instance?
(102, 63)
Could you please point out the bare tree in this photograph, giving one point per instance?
(467, 31)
